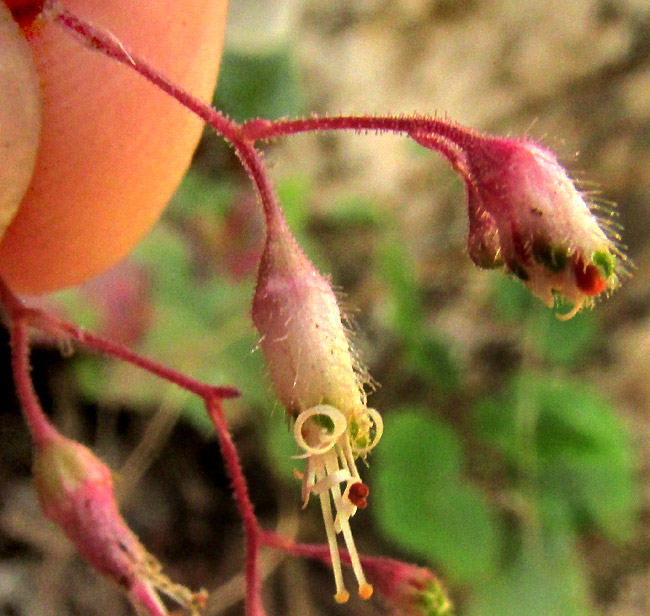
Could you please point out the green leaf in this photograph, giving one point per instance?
(574, 445)
(587, 458)
(422, 501)
(428, 354)
(293, 193)
(543, 580)
(431, 358)
(354, 211)
(512, 301)
(564, 342)
(407, 313)
(281, 446)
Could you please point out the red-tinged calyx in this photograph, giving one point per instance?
(408, 589)
(316, 377)
(75, 491)
(302, 334)
(546, 232)
(527, 215)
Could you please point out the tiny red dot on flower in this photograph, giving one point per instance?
(588, 278)
(358, 494)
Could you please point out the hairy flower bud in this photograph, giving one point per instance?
(408, 589)
(303, 339)
(75, 491)
(315, 375)
(526, 213)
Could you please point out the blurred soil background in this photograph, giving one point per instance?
(516, 456)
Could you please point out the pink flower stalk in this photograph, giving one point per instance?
(318, 380)
(526, 214)
(75, 491)
(408, 589)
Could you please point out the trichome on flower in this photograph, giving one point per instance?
(315, 375)
(526, 214)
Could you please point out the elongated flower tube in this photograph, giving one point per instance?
(75, 491)
(317, 379)
(527, 215)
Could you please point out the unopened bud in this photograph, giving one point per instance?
(409, 590)
(75, 491)
(526, 213)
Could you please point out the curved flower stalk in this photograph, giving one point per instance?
(525, 213)
(318, 380)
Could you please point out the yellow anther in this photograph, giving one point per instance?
(365, 591)
(343, 595)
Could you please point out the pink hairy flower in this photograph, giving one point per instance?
(526, 214)
(75, 491)
(408, 589)
(315, 375)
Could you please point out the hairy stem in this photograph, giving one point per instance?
(39, 426)
(242, 498)
(21, 317)
(102, 41)
(260, 129)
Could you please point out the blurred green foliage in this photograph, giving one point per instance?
(566, 465)
(258, 85)
(427, 353)
(424, 503)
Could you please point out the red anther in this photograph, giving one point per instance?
(358, 493)
(588, 278)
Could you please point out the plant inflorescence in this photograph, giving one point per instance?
(526, 216)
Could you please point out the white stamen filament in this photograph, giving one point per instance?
(342, 523)
(342, 595)
(577, 307)
(326, 440)
(332, 480)
(330, 462)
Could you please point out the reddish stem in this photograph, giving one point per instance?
(260, 129)
(252, 530)
(39, 426)
(316, 551)
(59, 327)
(100, 40)
(20, 316)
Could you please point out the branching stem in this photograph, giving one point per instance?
(448, 138)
